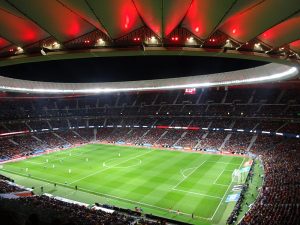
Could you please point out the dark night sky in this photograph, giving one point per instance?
(124, 68)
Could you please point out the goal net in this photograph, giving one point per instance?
(237, 176)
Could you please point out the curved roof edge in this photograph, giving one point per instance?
(261, 74)
(147, 51)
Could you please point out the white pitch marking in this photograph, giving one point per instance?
(142, 203)
(62, 152)
(188, 175)
(34, 162)
(183, 171)
(224, 185)
(125, 167)
(112, 196)
(225, 194)
(224, 163)
(100, 171)
(219, 176)
(196, 193)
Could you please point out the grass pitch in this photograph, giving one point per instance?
(160, 182)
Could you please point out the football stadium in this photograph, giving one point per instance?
(149, 112)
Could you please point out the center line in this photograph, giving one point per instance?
(100, 171)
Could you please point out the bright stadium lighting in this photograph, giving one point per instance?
(43, 52)
(100, 42)
(258, 47)
(228, 44)
(292, 71)
(19, 50)
(152, 41)
(55, 45)
(190, 41)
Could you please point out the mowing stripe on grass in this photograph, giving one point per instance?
(219, 176)
(229, 186)
(61, 152)
(196, 193)
(107, 168)
(149, 185)
(188, 175)
(107, 195)
(224, 163)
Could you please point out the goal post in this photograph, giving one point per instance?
(237, 176)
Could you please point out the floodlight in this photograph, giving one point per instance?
(43, 52)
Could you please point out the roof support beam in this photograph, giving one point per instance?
(91, 8)
(45, 29)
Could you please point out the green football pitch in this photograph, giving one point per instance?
(161, 182)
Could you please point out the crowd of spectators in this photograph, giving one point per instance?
(208, 102)
(72, 137)
(284, 126)
(2, 177)
(270, 125)
(33, 209)
(237, 208)
(8, 149)
(170, 138)
(80, 120)
(29, 142)
(5, 187)
(190, 139)
(42, 210)
(238, 143)
(279, 199)
(51, 139)
(213, 141)
(74, 214)
(86, 134)
(151, 136)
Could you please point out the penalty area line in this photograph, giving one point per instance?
(229, 186)
(106, 195)
(184, 178)
(219, 176)
(196, 193)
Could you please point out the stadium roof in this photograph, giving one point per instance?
(258, 25)
(261, 74)
(39, 30)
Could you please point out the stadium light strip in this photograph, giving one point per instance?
(14, 133)
(273, 77)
